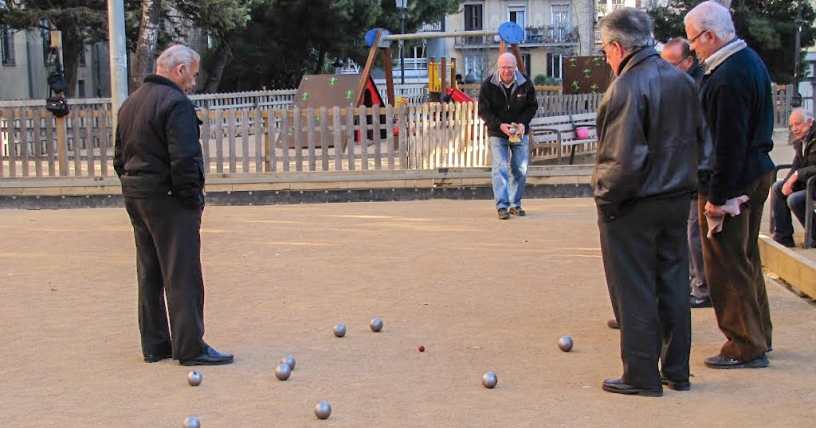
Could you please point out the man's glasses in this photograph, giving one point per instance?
(603, 49)
(697, 36)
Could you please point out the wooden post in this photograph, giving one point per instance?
(519, 62)
(443, 76)
(389, 76)
(62, 143)
(453, 83)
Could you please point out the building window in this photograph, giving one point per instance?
(517, 14)
(554, 65)
(81, 61)
(616, 4)
(474, 17)
(7, 45)
(80, 89)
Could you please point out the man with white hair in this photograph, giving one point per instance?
(789, 195)
(736, 97)
(650, 135)
(158, 160)
(506, 98)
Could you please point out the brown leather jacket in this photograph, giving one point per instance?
(650, 135)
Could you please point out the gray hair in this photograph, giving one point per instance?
(712, 16)
(806, 114)
(630, 27)
(175, 55)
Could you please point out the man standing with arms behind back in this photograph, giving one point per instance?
(508, 97)
(159, 162)
(650, 131)
(736, 97)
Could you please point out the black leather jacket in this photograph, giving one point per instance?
(157, 150)
(650, 134)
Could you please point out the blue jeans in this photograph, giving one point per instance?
(697, 278)
(508, 190)
(783, 206)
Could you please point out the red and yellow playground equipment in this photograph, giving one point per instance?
(438, 88)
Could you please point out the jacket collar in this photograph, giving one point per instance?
(717, 58)
(636, 58)
(161, 80)
(496, 80)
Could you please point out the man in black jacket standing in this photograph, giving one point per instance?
(736, 97)
(508, 97)
(650, 131)
(789, 195)
(158, 160)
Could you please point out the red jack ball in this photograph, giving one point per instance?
(421, 348)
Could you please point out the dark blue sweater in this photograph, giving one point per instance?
(738, 106)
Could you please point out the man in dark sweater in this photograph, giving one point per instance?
(158, 160)
(736, 97)
(505, 98)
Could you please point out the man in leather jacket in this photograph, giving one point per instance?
(650, 131)
(158, 160)
(788, 195)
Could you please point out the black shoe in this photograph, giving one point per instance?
(675, 385)
(613, 324)
(503, 214)
(785, 242)
(769, 349)
(210, 357)
(618, 387)
(695, 302)
(723, 362)
(517, 211)
(162, 352)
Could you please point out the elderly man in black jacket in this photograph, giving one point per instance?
(650, 131)
(159, 162)
(789, 194)
(505, 98)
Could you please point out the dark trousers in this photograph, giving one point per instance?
(697, 279)
(168, 261)
(645, 257)
(734, 273)
(783, 206)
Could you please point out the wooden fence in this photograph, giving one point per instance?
(245, 136)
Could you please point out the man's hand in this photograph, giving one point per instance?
(787, 188)
(505, 127)
(714, 210)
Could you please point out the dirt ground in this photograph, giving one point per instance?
(480, 295)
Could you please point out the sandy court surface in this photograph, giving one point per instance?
(478, 293)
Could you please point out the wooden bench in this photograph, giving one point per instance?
(557, 132)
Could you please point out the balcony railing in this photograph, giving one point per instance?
(535, 36)
(428, 27)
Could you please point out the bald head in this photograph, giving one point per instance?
(507, 67)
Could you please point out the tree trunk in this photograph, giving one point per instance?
(212, 78)
(144, 58)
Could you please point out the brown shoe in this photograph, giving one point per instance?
(613, 324)
(503, 214)
(517, 211)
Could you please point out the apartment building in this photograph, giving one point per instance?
(24, 68)
(553, 30)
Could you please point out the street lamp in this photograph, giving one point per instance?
(796, 99)
(402, 6)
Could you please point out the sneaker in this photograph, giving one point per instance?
(517, 211)
(503, 214)
(723, 362)
(695, 302)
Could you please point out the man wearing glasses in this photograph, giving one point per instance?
(650, 131)
(736, 98)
